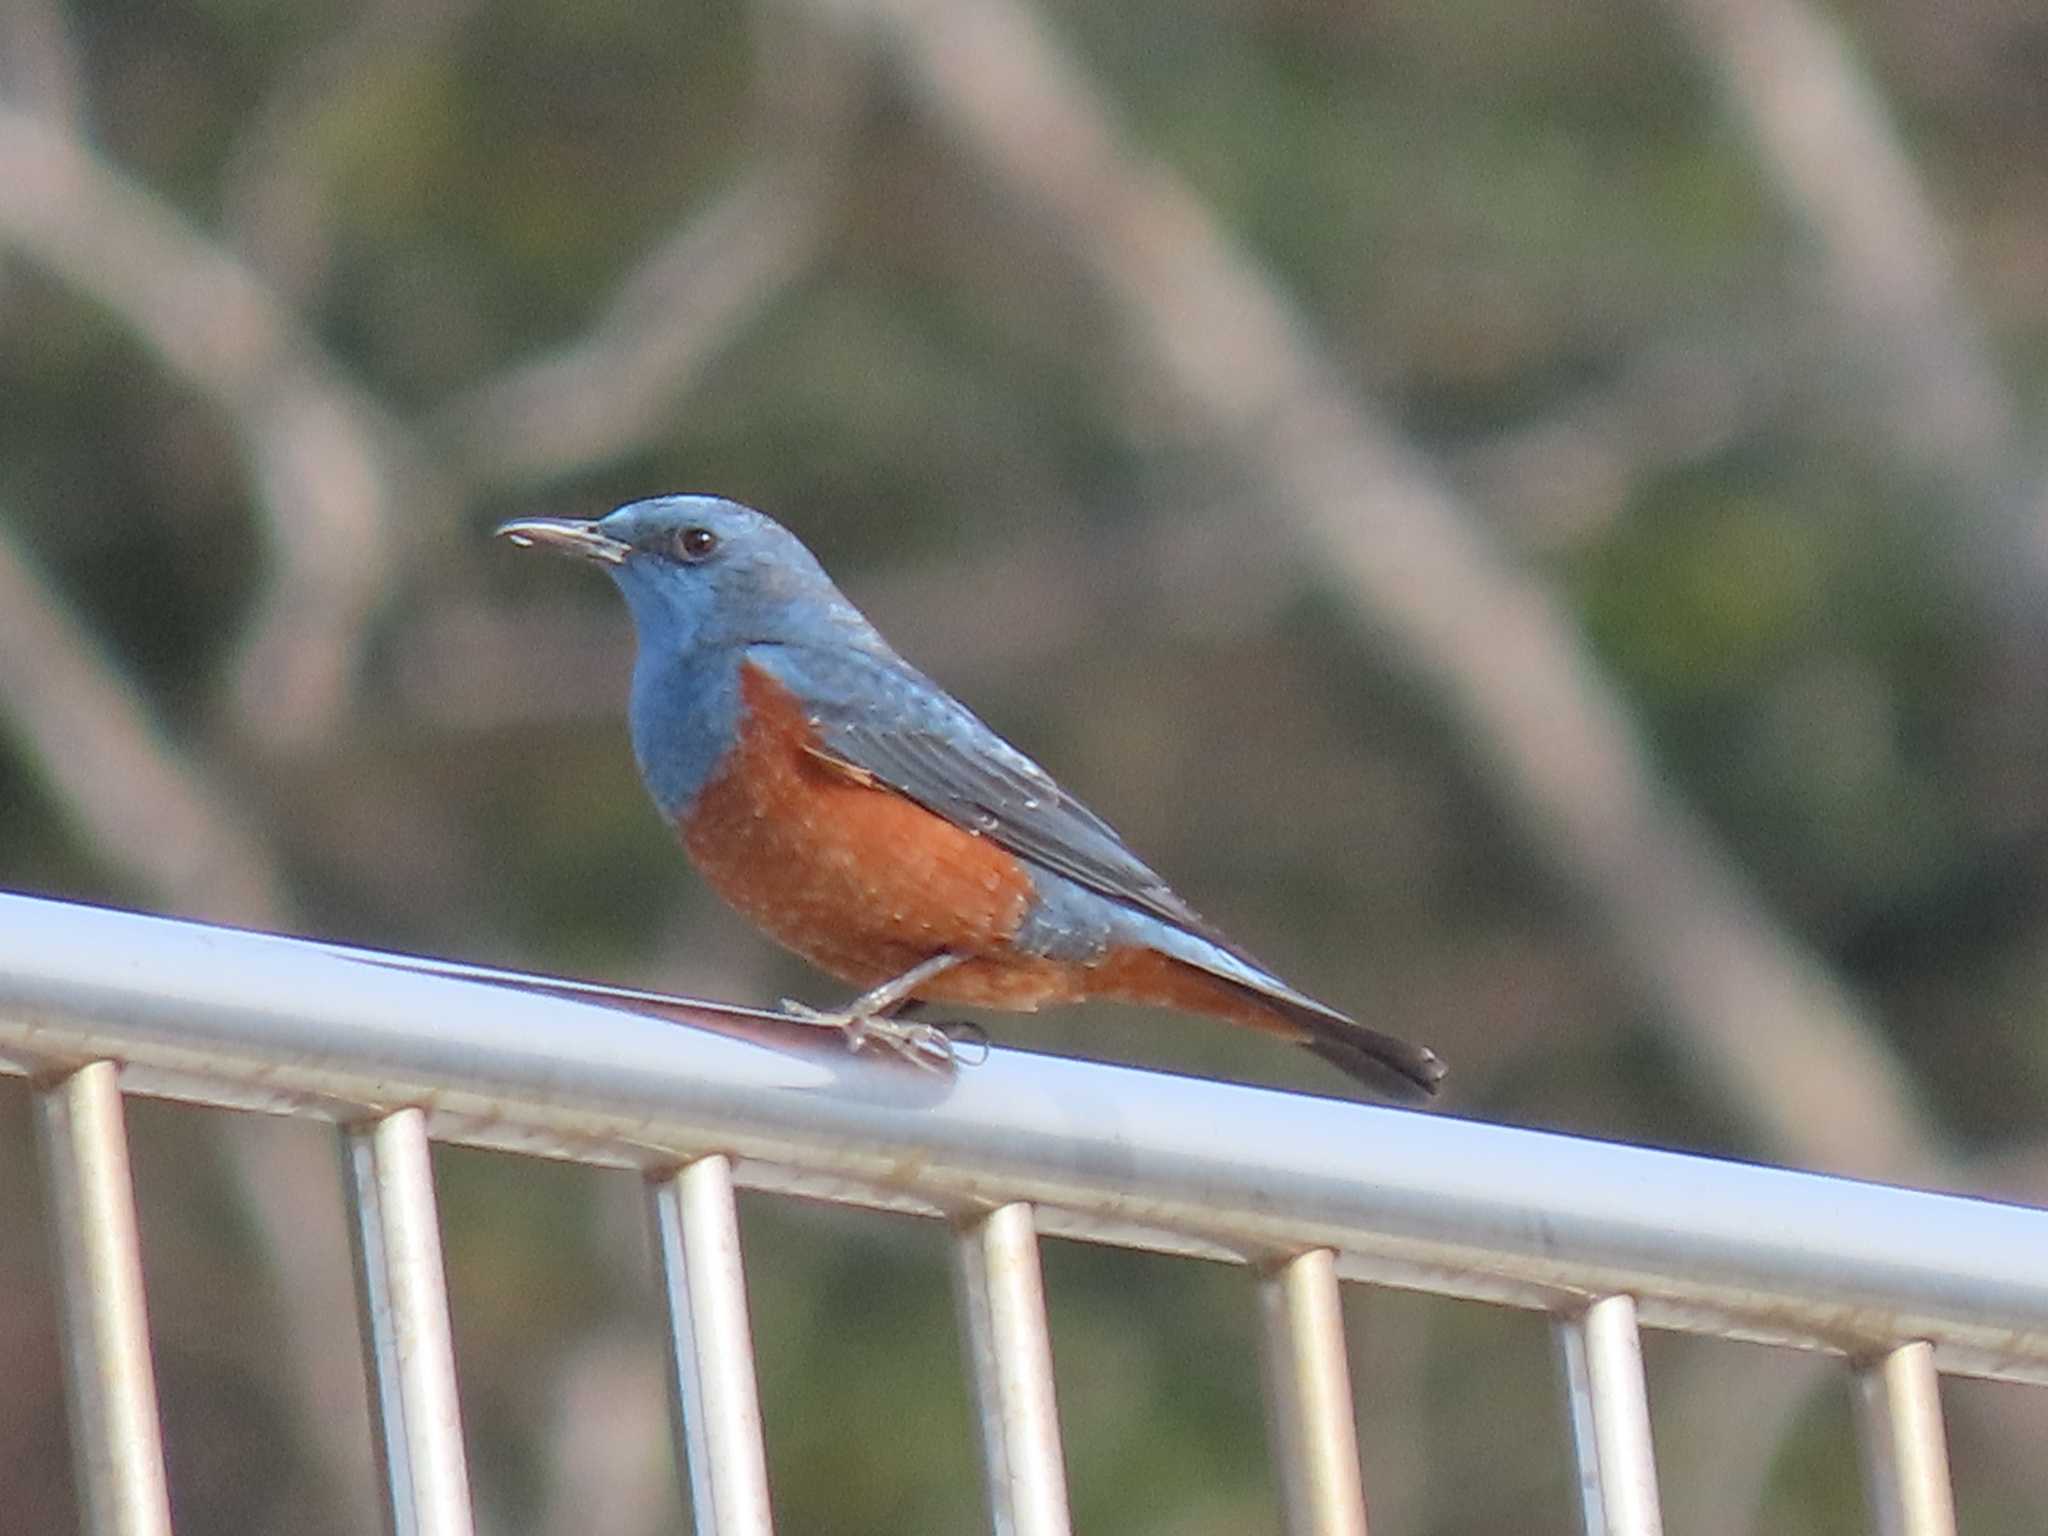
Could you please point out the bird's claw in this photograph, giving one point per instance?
(922, 1045)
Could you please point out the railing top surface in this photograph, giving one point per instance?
(253, 1021)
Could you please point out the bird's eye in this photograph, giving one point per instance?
(695, 544)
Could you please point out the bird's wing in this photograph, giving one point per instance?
(879, 717)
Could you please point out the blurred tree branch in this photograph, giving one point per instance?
(1567, 477)
(329, 465)
(329, 468)
(1827, 144)
(605, 393)
(142, 806)
(277, 208)
(38, 66)
(1745, 1000)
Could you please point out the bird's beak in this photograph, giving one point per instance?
(566, 536)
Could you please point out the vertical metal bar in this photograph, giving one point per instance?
(1009, 1350)
(415, 1416)
(716, 1404)
(1603, 1361)
(1905, 1453)
(116, 1441)
(1308, 1398)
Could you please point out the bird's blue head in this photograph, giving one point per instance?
(699, 572)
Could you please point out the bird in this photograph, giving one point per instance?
(863, 817)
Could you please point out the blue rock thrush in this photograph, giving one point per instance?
(866, 819)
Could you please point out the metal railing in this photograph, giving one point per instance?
(1902, 1285)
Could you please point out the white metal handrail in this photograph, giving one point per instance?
(1903, 1284)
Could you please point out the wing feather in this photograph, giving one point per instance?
(876, 715)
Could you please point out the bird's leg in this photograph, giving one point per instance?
(871, 1016)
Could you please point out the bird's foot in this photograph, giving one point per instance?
(922, 1045)
(872, 1016)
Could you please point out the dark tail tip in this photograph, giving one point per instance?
(1391, 1067)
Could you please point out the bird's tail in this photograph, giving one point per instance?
(1246, 995)
(1382, 1062)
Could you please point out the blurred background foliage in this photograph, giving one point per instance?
(1528, 513)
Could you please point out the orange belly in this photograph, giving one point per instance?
(857, 879)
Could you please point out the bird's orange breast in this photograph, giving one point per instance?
(856, 878)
